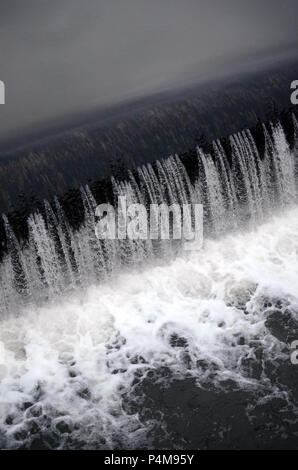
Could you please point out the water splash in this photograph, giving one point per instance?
(57, 258)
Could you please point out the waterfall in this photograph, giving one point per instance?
(241, 188)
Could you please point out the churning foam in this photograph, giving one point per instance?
(65, 366)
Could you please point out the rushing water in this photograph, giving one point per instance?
(116, 343)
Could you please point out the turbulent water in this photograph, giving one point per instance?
(123, 344)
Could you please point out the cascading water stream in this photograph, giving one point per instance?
(56, 258)
(136, 343)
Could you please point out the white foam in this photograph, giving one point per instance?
(76, 357)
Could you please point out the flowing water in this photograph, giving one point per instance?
(127, 344)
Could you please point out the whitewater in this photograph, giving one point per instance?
(203, 337)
